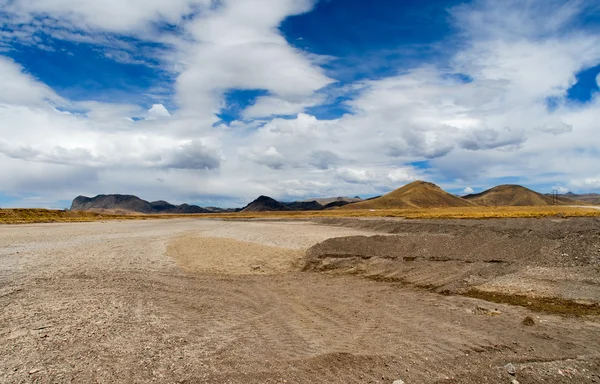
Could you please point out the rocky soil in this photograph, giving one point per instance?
(202, 301)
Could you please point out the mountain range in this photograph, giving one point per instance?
(130, 203)
(416, 195)
(590, 198)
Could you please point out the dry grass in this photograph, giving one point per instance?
(23, 216)
(19, 216)
(428, 213)
(555, 305)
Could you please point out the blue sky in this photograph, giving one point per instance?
(217, 103)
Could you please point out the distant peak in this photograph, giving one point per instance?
(263, 197)
(422, 182)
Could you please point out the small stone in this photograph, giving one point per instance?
(514, 381)
(34, 371)
(398, 382)
(528, 321)
(511, 369)
(256, 267)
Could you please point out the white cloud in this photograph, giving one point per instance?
(109, 15)
(239, 46)
(269, 156)
(468, 190)
(20, 88)
(561, 189)
(587, 182)
(267, 106)
(496, 125)
(158, 111)
(377, 178)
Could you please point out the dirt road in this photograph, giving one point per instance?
(196, 301)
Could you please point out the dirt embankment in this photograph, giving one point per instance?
(499, 260)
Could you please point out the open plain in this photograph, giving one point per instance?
(322, 301)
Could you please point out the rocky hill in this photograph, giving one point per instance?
(132, 204)
(515, 195)
(418, 194)
(264, 203)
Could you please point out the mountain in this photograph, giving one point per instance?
(418, 194)
(328, 200)
(304, 206)
(264, 203)
(130, 203)
(590, 198)
(515, 195)
(222, 210)
(336, 204)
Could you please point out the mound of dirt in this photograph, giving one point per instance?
(544, 257)
(263, 204)
(515, 195)
(418, 194)
(130, 204)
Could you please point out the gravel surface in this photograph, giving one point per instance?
(181, 301)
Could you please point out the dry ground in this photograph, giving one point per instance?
(198, 301)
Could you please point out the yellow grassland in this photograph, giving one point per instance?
(16, 216)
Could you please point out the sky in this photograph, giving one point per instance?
(215, 102)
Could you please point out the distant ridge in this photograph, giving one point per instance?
(515, 195)
(303, 206)
(130, 203)
(266, 203)
(263, 204)
(590, 198)
(328, 200)
(418, 194)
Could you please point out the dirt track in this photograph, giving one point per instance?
(197, 301)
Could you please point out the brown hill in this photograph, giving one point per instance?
(515, 195)
(264, 203)
(130, 204)
(418, 194)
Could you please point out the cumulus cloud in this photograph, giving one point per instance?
(561, 189)
(377, 179)
(238, 46)
(20, 88)
(158, 111)
(111, 15)
(481, 115)
(192, 155)
(267, 106)
(269, 157)
(323, 159)
(468, 190)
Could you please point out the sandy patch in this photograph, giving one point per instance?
(234, 257)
